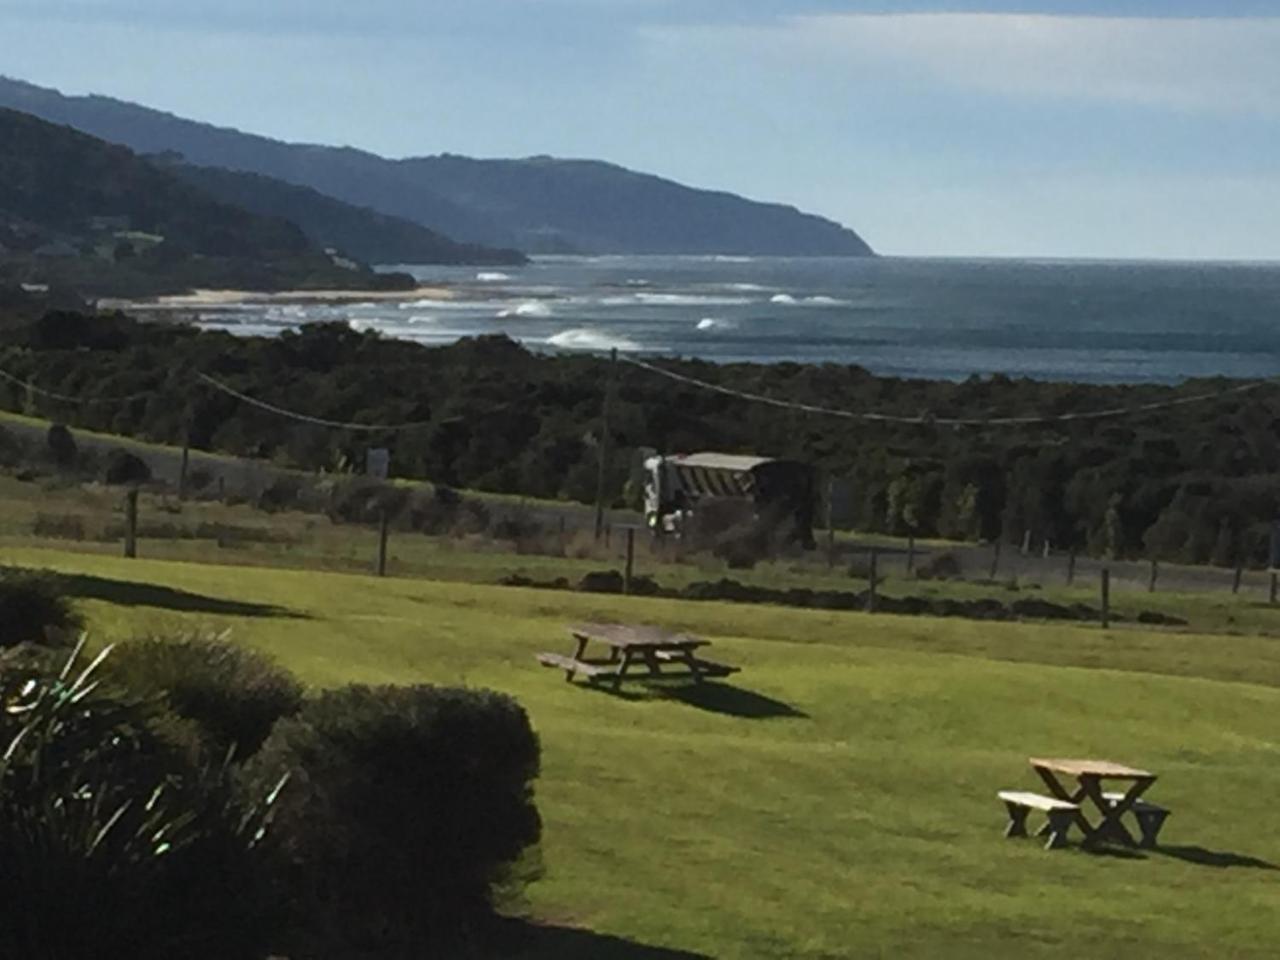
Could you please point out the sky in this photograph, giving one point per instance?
(1127, 128)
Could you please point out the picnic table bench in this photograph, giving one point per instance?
(630, 645)
(1065, 806)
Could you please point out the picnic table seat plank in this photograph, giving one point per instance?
(707, 667)
(1061, 815)
(577, 666)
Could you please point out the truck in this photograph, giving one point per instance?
(686, 490)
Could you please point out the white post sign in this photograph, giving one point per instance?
(377, 463)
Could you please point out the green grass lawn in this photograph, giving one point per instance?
(837, 799)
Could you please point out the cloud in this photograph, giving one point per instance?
(1227, 64)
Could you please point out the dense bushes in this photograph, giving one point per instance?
(136, 818)
(32, 602)
(113, 846)
(1194, 482)
(232, 694)
(406, 811)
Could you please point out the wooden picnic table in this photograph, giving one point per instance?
(1089, 775)
(631, 644)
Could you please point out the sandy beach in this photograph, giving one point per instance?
(214, 298)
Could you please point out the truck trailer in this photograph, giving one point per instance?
(684, 489)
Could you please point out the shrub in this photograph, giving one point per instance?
(61, 446)
(32, 603)
(198, 478)
(363, 501)
(60, 526)
(282, 493)
(408, 809)
(12, 448)
(113, 848)
(125, 469)
(234, 695)
(940, 566)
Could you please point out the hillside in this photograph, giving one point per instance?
(356, 231)
(80, 212)
(837, 797)
(537, 204)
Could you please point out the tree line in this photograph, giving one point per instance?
(1191, 483)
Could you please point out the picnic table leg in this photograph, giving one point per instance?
(1060, 792)
(1111, 826)
(622, 670)
(687, 657)
(582, 647)
(651, 661)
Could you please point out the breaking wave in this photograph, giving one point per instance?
(716, 323)
(674, 300)
(533, 309)
(492, 276)
(585, 338)
(784, 298)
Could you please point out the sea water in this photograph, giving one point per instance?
(1101, 322)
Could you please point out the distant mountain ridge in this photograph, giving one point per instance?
(356, 231)
(84, 214)
(540, 204)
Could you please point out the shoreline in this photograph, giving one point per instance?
(220, 298)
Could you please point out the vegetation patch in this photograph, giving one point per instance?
(32, 607)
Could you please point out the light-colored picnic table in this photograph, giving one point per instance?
(629, 643)
(1089, 775)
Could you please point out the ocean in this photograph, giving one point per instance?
(1097, 322)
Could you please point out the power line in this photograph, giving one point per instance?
(307, 418)
(929, 420)
(69, 399)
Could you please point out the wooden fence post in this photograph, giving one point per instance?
(1071, 567)
(131, 524)
(995, 559)
(1274, 585)
(1155, 573)
(1026, 542)
(631, 560)
(1235, 581)
(182, 472)
(911, 554)
(383, 532)
(1106, 597)
(872, 571)
(831, 529)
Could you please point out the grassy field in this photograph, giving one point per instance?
(47, 514)
(837, 800)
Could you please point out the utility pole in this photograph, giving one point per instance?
(602, 448)
(186, 461)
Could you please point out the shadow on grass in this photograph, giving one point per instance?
(731, 701)
(521, 940)
(712, 697)
(1114, 853)
(1214, 858)
(128, 593)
